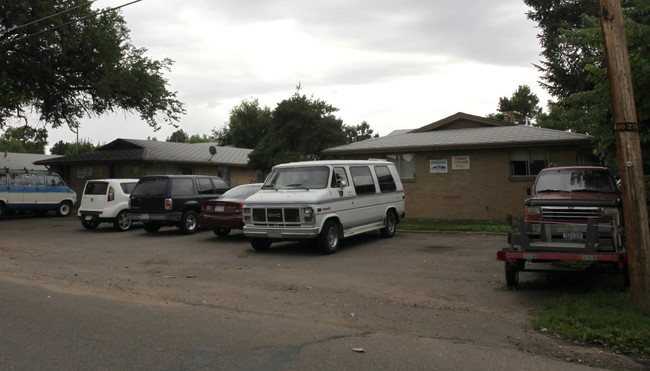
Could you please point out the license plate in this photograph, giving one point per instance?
(144, 217)
(219, 208)
(89, 217)
(572, 235)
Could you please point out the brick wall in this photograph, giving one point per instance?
(485, 191)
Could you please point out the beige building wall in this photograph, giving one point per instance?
(483, 189)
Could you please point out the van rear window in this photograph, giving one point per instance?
(96, 188)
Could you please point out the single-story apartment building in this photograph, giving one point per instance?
(133, 158)
(470, 167)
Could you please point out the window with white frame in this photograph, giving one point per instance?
(527, 162)
(405, 164)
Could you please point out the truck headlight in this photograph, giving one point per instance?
(533, 213)
(308, 214)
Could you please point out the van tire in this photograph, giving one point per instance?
(151, 227)
(260, 244)
(329, 239)
(64, 208)
(390, 224)
(2, 210)
(122, 223)
(189, 222)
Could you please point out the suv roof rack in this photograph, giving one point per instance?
(565, 164)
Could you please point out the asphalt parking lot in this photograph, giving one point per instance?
(443, 287)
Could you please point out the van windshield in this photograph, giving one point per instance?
(314, 177)
(153, 186)
(575, 180)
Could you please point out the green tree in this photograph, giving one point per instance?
(359, 132)
(247, 126)
(65, 61)
(66, 149)
(586, 107)
(23, 139)
(179, 136)
(300, 129)
(523, 103)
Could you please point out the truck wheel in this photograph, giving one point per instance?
(151, 227)
(122, 223)
(90, 224)
(189, 222)
(260, 244)
(64, 209)
(512, 275)
(221, 232)
(390, 225)
(329, 238)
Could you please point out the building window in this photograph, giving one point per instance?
(405, 164)
(527, 162)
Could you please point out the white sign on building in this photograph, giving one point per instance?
(438, 166)
(460, 162)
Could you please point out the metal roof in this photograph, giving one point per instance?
(467, 138)
(23, 161)
(150, 150)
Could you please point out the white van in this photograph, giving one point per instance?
(39, 192)
(325, 201)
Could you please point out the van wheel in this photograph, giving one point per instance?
(90, 224)
(260, 244)
(390, 224)
(189, 222)
(122, 223)
(64, 209)
(151, 227)
(221, 232)
(329, 239)
(2, 210)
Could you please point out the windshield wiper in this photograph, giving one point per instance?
(549, 190)
(296, 185)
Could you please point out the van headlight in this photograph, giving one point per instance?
(308, 214)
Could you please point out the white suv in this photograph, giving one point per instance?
(106, 200)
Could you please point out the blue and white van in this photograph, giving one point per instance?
(40, 192)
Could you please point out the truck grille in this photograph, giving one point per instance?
(284, 216)
(571, 214)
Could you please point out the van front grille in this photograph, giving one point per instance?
(276, 216)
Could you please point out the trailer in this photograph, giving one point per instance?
(590, 246)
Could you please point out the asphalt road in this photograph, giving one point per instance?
(78, 299)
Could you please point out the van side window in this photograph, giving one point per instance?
(40, 180)
(183, 187)
(16, 179)
(362, 179)
(55, 180)
(30, 179)
(385, 178)
(205, 186)
(339, 175)
(3, 179)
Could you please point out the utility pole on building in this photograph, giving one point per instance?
(628, 150)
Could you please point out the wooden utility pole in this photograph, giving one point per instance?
(629, 151)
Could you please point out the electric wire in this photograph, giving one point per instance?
(48, 17)
(70, 22)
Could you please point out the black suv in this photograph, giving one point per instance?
(172, 200)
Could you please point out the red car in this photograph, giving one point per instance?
(224, 213)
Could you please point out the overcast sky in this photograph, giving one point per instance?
(394, 64)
